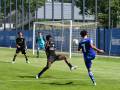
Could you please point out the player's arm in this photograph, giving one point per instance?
(95, 48)
(17, 45)
(25, 44)
(47, 44)
(79, 47)
(44, 38)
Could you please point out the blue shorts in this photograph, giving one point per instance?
(88, 60)
(88, 64)
(89, 57)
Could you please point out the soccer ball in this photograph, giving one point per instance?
(75, 41)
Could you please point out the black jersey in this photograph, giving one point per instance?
(21, 42)
(50, 49)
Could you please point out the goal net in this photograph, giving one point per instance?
(65, 33)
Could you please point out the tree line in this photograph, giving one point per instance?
(103, 8)
(6, 4)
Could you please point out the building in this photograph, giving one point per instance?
(58, 12)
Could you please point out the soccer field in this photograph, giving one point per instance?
(21, 76)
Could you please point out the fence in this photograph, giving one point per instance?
(101, 37)
(8, 38)
(109, 40)
(61, 38)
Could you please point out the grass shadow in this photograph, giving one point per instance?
(5, 62)
(26, 76)
(69, 83)
(34, 56)
(56, 83)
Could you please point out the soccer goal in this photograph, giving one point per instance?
(65, 33)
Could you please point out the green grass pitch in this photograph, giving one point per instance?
(21, 76)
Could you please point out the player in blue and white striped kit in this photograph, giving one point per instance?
(89, 54)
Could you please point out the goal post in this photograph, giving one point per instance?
(70, 46)
(33, 46)
(63, 33)
(59, 25)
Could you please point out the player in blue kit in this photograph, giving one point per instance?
(89, 54)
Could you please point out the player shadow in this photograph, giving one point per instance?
(5, 62)
(56, 83)
(67, 84)
(34, 77)
(34, 56)
(26, 76)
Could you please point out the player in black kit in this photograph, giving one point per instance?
(20, 47)
(52, 56)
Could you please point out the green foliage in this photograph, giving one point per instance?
(33, 4)
(103, 19)
(103, 9)
(65, 1)
(89, 8)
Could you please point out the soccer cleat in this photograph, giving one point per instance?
(94, 83)
(73, 68)
(27, 62)
(13, 62)
(37, 77)
(37, 57)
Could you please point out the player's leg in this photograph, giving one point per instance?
(13, 61)
(26, 58)
(17, 51)
(39, 49)
(63, 57)
(88, 65)
(37, 52)
(24, 53)
(44, 69)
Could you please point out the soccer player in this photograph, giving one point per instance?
(20, 47)
(52, 56)
(40, 42)
(86, 44)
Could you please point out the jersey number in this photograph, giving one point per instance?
(84, 49)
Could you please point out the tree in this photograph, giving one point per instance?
(33, 4)
(65, 1)
(103, 9)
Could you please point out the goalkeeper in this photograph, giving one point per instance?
(40, 43)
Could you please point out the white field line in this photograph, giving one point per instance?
(51, 79)
(108, 56)
(78, 54)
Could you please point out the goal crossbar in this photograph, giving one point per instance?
(66, 24)
(60, 24)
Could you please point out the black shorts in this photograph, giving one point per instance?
(22, 50)
(53, 58)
